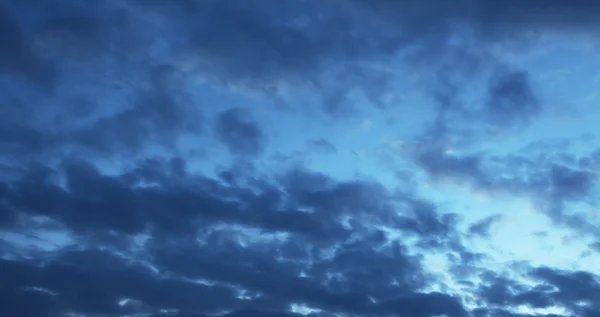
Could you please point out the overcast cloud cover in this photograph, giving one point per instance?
(288, 158)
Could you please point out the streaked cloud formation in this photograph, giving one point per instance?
(287, 158)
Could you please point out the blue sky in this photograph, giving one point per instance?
(288, 158)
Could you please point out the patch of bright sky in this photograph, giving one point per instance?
(550, 311)
(245, 294)
(303, 309)
(359, 142)
(439, 265)
(471, 205)
(516, 236)
(44, 235)
(513, 239)
(248, 236)
(36, 241)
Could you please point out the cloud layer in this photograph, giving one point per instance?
(298, 158)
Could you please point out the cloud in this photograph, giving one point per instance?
(113, 211)
(324, 146)
(239, 133)
(105, 210)
(595, 246)
(511, 98)
(154, 116)
(442, 166)
(419, 305)
(93, 282)
(151, 112)
(20, 58)
(492, 18)
(551, 185)
(258, 50)
(572, 290)
(483, 227)
(570, 182)
(572, 286)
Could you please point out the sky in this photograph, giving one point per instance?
(290, 158)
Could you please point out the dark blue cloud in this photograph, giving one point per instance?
(484, 226)
(93, 282)
(20, 58)
(95, 207)
(511, 98)
(422, 305)
(239, 132)
(573, 290)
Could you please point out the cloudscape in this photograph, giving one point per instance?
(289, 158)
